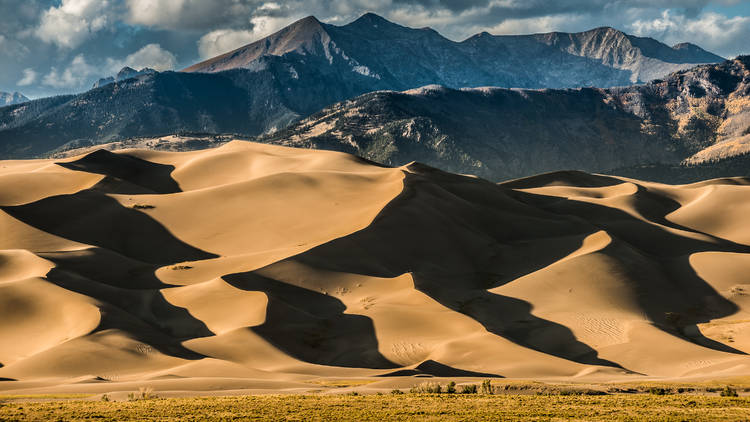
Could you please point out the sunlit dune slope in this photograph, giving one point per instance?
(267, 263)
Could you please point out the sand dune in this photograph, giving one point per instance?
(259, 267)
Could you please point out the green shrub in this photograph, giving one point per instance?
(146, 393)
(451, 387)
(396, 391)
(427, 388)
(658, 391)
(486, 387)
(469, 389)
(728, 392)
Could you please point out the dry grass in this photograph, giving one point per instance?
(393, 407)
(342, 383)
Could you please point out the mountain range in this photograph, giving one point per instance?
(270, 84)
(7, 98)
(375, 47)
(693, 117)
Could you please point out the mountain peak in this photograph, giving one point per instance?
(308, 21)
(300, 36)
(125, 72)
(690, 48)
(605, 31)
(372, 20)
(684, 46)
(10, 99)
(370, 17)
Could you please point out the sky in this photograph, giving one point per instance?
(51, 47)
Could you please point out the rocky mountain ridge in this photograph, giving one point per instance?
(690, 118)
(374, 46)
(126, 72)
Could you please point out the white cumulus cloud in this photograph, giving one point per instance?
(76, 75)
(73, 22)
(151, 55)
(189, 14)
(29, 77)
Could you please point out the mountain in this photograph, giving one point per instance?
(151, 104)
(7, 99)
(695, 117)
(309, 65)
(374, 46)
(124, 73)
(257, 266)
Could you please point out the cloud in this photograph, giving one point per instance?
(12, 48)
(76, 75)
(223, 40)
(539, 24)
(151, 55)
(190, 14)
(713, 31)
(48, 35)
(29, 77)
(73, 22)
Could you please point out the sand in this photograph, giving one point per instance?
(257, 268)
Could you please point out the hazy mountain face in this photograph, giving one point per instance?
(7, 98)
(692, 117)
(404, 58)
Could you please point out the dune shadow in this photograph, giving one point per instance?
(93, 218)
(119, 270)
(656, 261)
(126, 174)
(3, 379)
(437, 369)
(107, 267)
(134, 306)
(312, 326)
(407, 237)
(566, 177)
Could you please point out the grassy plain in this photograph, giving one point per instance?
(389, 407)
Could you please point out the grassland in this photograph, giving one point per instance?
(391, 407)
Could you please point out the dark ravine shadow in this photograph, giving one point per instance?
(312, 326)
(93, 218)
(406, 238)
(437, 369)
(126, 174)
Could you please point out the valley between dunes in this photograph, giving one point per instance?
(263, 268)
